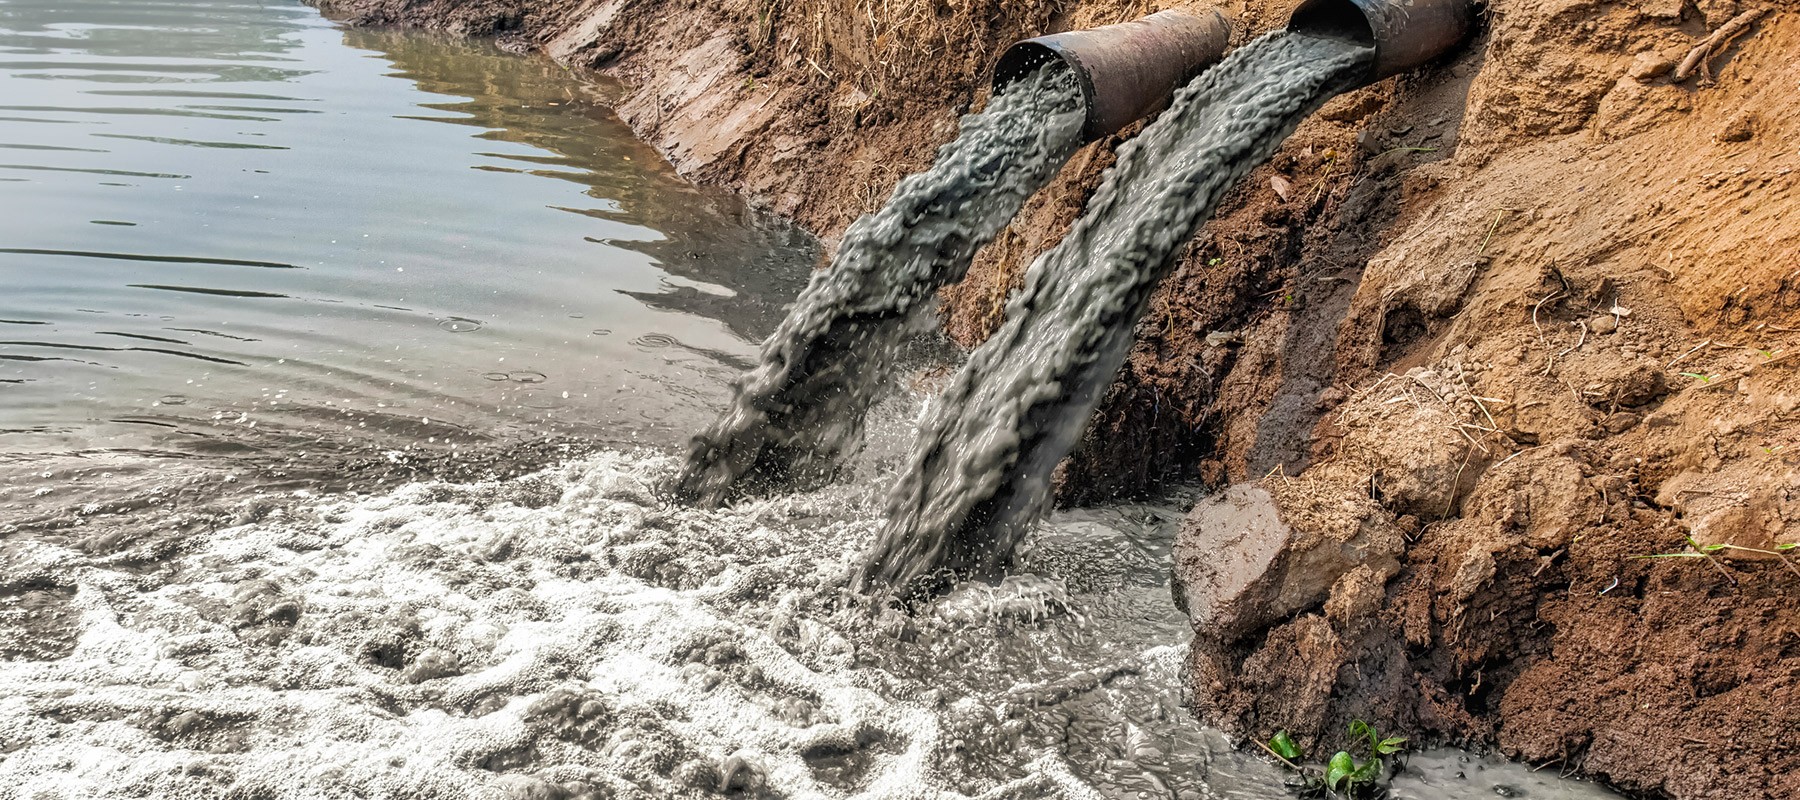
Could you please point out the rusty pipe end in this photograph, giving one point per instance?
(1126, 71)
(1404, 33)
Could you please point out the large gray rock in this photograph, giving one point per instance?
(1259, 553)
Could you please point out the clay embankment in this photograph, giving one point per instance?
(1478, 338)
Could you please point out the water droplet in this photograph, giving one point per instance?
(654, 340)
(459, 325)
(496, 376)
(172, 400)
(530, 377)
(602, 332)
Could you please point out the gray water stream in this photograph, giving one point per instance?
(803, 404)
(980, 473)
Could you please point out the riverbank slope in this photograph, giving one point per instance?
(1475, 343)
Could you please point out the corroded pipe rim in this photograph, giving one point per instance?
(1406, 34)
(1125, 71)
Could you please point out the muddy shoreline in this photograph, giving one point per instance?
(1474, 343)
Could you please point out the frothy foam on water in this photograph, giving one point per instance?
(980, 474)
(563, 635)
(568, 635)
(804, 402)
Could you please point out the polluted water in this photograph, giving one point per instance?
(565, 634)
(803, 403)
(569, 635)
(980, 473)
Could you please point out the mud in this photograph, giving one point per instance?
(1593, 263)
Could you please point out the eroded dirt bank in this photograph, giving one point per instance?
(1471, 345)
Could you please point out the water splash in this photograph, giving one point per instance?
(804, 402)
(981, 472)
(568, 635)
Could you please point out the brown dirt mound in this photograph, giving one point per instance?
(1482, 336)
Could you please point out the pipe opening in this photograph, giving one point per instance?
(1338, 19)
(1025, 58)
(1019, 61)
(1406, 34)
(1126, 71)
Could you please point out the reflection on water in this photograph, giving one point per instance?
(225, 219)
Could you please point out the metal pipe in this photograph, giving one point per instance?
(1404, 33)
(1126, 71)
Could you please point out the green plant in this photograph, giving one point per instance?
(1348, 770)
(1702, 378)
(1352, 772)
(1283, 745)
(1708, 551)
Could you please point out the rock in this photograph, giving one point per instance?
(1418, 458)
(1355, 598)
(1282, 186)
(1603, 324)
(1620, 422)
(1740, 128)
(1259, 553)
(1649, 65)
(1624, 384)
(1750, 504)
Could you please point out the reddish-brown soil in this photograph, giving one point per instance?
(1488, 334)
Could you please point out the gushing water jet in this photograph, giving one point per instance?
(802, 406)
(980, 475)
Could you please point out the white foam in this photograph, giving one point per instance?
(451, 641)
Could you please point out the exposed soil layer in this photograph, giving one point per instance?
(1479, 337)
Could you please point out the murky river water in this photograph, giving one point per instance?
(237, 234)
(223, 214)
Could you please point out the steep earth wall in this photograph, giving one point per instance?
(1476, 341)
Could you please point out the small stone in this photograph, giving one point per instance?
(1649, 65)
(1740, 129)
(1603, 324)
(1282, 186)
(1620, 422)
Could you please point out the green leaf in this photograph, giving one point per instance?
(1712, 548)
(1788, 546)
(1284, 746)
(1365, 730)
(1391, 745)
(1365, 772)
(1341, 767)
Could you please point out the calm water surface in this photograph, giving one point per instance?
(225, 218)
